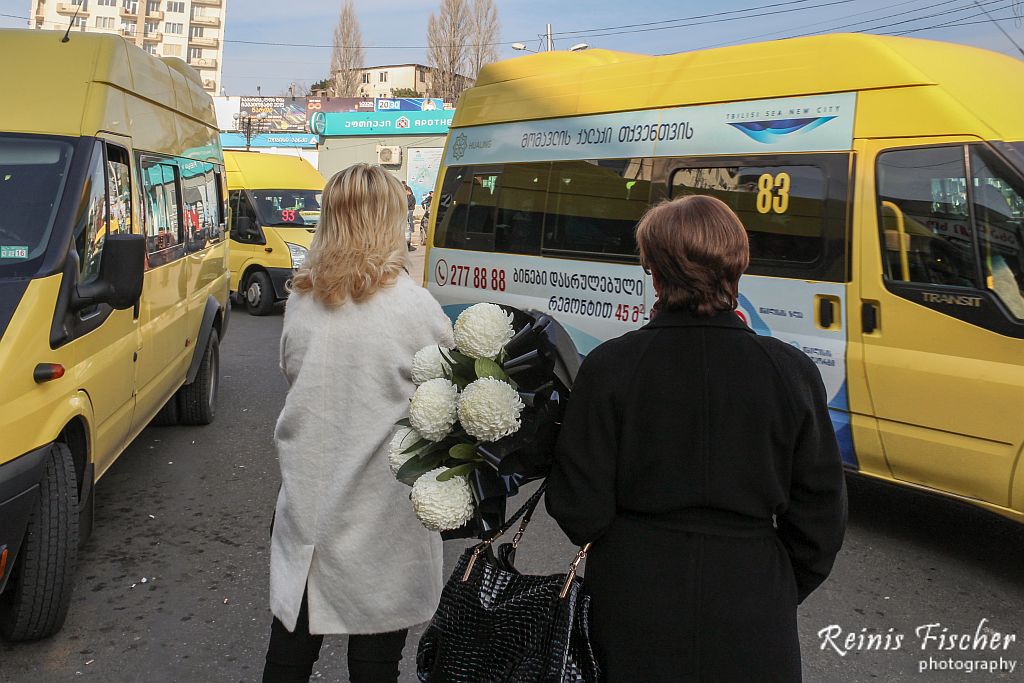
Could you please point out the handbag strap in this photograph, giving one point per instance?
(526, 512)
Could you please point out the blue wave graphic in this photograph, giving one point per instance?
(768, 132)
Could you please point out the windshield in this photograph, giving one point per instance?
(287, 207)
(32, 175)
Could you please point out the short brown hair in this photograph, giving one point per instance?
(697, 247)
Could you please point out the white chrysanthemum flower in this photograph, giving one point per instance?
(433, 408)
(442, 505)
(428, 364)
(403, 439)
(489, 409)
(482, 330)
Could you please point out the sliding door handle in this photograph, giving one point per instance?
(870, 316)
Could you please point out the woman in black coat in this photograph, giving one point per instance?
(700, 461)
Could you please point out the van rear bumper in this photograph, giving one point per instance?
(19, 486)
(280, 277)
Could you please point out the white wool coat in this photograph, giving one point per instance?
(344, 528)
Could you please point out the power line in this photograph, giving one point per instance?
(670, 21)
(1008, 37)
(746, 39)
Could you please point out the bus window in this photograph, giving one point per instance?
(781, 206)
(520, 219)
(91, 224)
(593, 207)
(162, 211)
(925, 224)
(119, 180)
(999, 216)
(466, 218)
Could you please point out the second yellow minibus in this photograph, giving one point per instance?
(275, 206)
(881, 183)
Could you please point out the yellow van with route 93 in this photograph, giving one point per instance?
(275, 206)
(113, 287)
(881, 184)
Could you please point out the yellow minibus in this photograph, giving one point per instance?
(881, 183)
(275, 206)
(113, 287)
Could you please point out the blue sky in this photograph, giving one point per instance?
(615, 24)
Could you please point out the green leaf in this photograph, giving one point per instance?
(404, 422)
(485, 367)
(460, 381)
(458, 470)
(463, 451)
(416, 467)
(416, 446)
(461, 364)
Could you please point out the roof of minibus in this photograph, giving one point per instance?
(983, 85)
(263, 171)
(52, 87)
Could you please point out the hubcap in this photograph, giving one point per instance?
(253, 294)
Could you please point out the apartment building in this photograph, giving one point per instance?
(384, 81)
(190, 29)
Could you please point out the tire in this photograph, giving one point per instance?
(259, 294)
(38, 593)
(168, 415)
(197, 402)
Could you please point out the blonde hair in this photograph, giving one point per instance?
(359, 245)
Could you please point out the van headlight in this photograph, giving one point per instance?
(298, 254)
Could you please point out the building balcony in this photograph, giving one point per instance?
(208, 3)
(130, 12)
(128, 33)
(209, 84)
(203, 63)
(153, 36)
(200, 41)
(155, 15)
(206, 21)
(71, 8)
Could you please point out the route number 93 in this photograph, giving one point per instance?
(773, 193)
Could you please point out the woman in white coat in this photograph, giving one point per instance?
(348, 555)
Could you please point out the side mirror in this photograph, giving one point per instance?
(122, 268)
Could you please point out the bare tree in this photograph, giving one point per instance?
(447, 48)
(347, 55)
(484, 34)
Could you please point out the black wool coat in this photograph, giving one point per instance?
(700, 460)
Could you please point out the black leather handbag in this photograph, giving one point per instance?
(495, 624)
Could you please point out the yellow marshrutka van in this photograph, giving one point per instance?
(881, 183)
(275, 206)
(113, 287)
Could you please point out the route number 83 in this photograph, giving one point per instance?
(773, 193)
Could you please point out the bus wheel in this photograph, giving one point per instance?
(38, 593)
(168, 415)
(259, 294)
(197, 402)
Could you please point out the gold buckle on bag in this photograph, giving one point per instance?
(580, 556)
(472, 560)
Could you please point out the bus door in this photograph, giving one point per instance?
(942, 311)
(794, 208)
(106, 341)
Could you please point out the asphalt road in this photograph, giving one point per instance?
(172, 586)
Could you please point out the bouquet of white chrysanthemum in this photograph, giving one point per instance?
(463, 400)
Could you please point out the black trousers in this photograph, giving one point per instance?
(291, 655)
